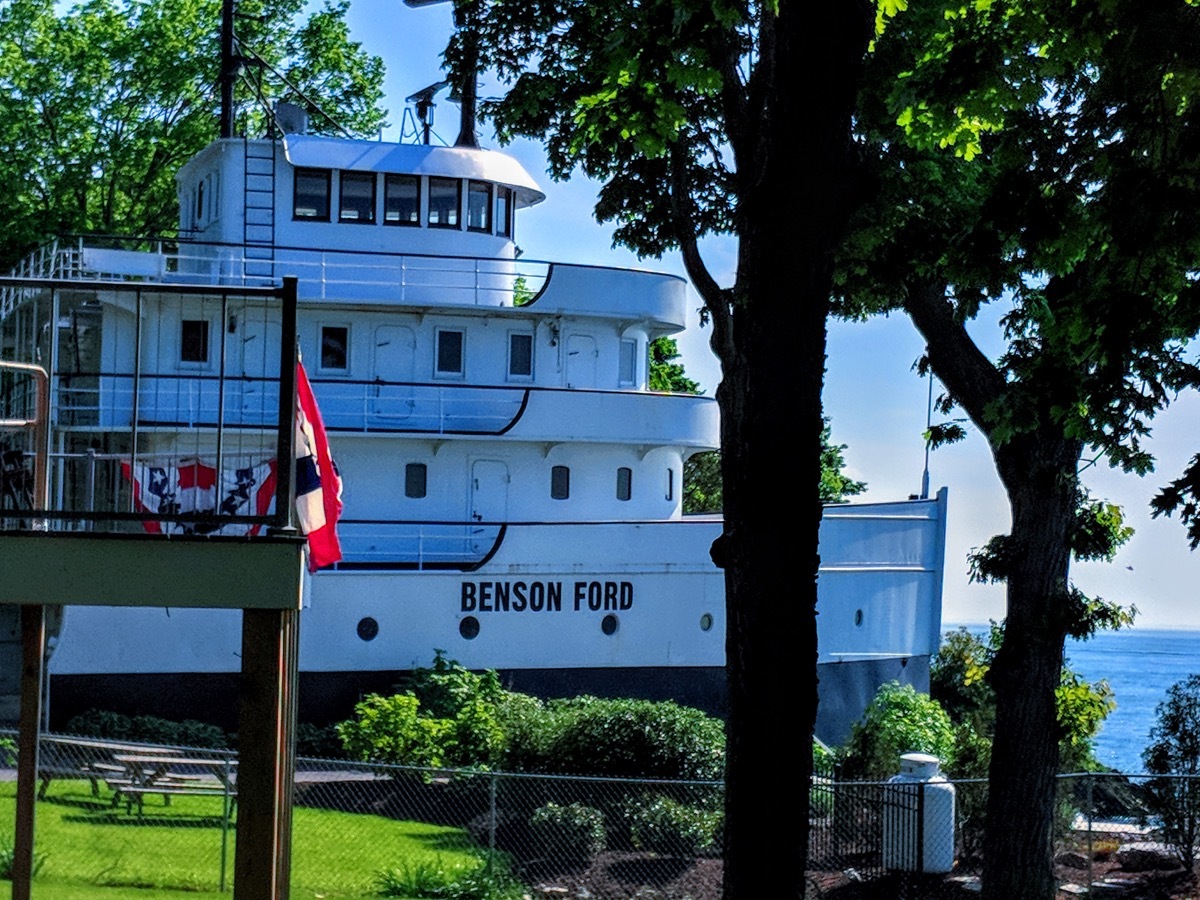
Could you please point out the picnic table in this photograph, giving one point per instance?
(90, 758)
(171, 775)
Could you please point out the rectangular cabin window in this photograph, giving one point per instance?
(479, 206)
(357, 197)
(311, 195)
(415, 480)
(449, 352)
(401, 200)
(627, 363)
(193, 341)
(560, 483)
(444, 197)
(624, 483)
(335, 348)
(504, 208)
(520, 355)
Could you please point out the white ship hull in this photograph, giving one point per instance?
(621, 609)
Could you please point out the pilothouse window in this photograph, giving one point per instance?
(402, 200)
(311, 194)
(357, 202)
(479, 206)
(444, 196)
(504, 208)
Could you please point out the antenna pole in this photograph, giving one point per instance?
(229, 67)
(928, 425)
(464, 21)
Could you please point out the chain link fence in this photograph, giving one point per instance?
(143, 815)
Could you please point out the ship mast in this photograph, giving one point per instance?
(229, 68)
(468, 75)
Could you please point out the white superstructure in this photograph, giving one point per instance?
(513, 491)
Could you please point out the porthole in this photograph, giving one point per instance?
(706, 622)
(469, 628)
(609, 624)
(368, 629)
(858, 617)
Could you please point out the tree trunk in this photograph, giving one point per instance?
(793, 205)
(1039, 476)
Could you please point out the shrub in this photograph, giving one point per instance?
(446, 717)
(633, 739)
(899, 720)
(319, 741)
(1174, 750)
(390, 730)
(661, 824)
(574, 832)
(148, 729)
(488, 880)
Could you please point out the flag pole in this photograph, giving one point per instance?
(285, 453)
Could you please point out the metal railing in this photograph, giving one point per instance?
(233, 414)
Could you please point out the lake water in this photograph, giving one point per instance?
(1139, 665)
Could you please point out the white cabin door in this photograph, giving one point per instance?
(258, 356)
(395, 348)
(489, 501)
(581, 361)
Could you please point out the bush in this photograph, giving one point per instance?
(148, 729)
(390, 730)
(633, 739)
(663, 825)
(319, 742)
(438, 881)
(574, 832)
(1174, 750)
(899, 720)
(447, 717)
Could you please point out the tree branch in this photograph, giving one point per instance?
(971, 377)
(716, 298)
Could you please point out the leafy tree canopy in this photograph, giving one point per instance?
(1042, 159)
(101, 102)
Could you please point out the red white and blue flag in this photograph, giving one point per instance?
(190, 486)
(318, 483)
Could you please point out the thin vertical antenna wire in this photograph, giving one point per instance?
(928, 426)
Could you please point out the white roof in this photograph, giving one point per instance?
(318, 152)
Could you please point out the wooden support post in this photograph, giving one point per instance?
(266, 754)
(33, 653)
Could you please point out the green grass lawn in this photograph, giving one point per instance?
(91, 849)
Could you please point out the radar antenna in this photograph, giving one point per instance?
(464, 24)
(423, 102)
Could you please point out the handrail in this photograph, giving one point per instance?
(41, 430)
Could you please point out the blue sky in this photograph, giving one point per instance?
(877, 403)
